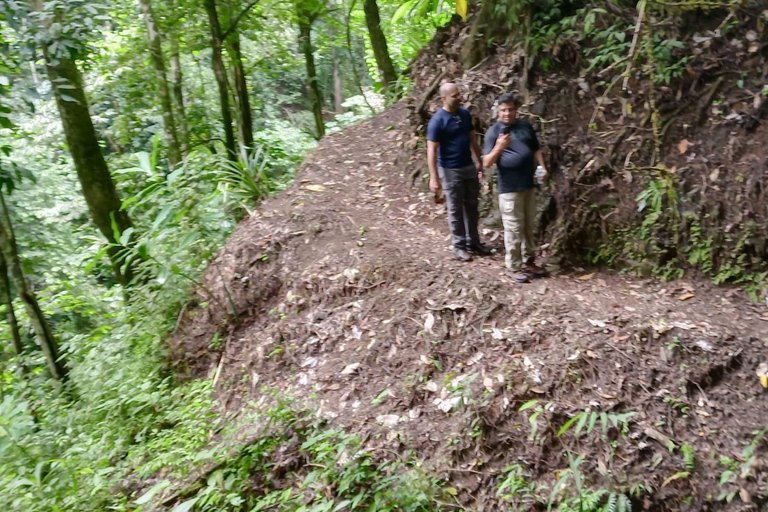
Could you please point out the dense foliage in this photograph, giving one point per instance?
(74, 444)
(133, 138)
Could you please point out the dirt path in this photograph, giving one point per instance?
(353, 304)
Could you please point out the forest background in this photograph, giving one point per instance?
(135, 135)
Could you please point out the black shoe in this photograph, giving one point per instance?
(480, 250)
(462, 254)
(534, 270)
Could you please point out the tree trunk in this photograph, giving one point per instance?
(475, 47)
(156, 51)
(178, 92)
(5, 289)
(178, 95)
(305, 43)
(221, 77)
(338, 89)
(98, 187)
(245, 118)
(39, 323)
(379, 43)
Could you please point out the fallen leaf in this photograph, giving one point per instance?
(350, 368)
(685, 296)
(388, 420)
(587, 277)
(488, 383)
(429, 322)
(744, 495)
(762, 373)
(682, 474)
(452, 491)
(683, 146)
(596, 323)
(315, 188)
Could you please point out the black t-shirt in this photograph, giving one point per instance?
(516, 164)
(451, 131)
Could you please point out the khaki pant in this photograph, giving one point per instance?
(518, 213)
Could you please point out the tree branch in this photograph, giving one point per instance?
(233, 26)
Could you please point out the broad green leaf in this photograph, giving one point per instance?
(152, 492)
(186, 506)
(160, 219)
(402, 11)
(528, 405)
(125, 236)
(568, 424)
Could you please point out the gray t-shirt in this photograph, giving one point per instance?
(516, 164)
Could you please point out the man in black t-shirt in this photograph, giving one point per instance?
(512, 145)
(451, 140)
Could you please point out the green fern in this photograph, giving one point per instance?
(689, 456)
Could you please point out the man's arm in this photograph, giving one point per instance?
(475, 147)
(498, 148)
(434, 179)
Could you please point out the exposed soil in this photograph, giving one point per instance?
(350, 301)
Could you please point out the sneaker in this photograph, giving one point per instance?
(462, 254)
(480, 250)
(517, 276)
(534, 270)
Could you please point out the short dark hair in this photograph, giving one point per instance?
(508, 97)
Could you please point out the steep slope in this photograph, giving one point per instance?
(349, 302)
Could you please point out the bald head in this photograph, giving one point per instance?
(447, 88)
(449, 93)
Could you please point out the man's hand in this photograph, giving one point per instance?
(502, 142)
(434, 186)
(545, 176)
(480, 173)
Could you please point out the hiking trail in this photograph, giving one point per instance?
(351, 302)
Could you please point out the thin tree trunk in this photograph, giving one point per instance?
(379, 43)
(221, 77)
(5, 289)
(358, 81)
(156, 51)
(39, 323)
(338, 89)
(178, 90)
(245, 118)
(305, 43)
(475, 48)
(178, 95)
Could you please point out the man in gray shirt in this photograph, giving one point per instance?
(512, 145)
(451, 140)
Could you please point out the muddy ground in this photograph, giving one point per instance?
(350, 301)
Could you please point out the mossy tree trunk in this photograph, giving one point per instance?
(306, 16)
(158, 60)
(379, 43)
(221, 77)
(5, 289)
(245, 117)
(37, 319)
